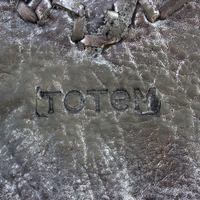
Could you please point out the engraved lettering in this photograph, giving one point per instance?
(119, 99)
(71, 97)
(38, 114)
(96, 95)
(50, 95)
(152, 102)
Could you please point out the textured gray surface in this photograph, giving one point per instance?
(107, 155)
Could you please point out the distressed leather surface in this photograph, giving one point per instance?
(111, 154)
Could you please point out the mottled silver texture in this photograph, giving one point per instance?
(70, 5)
(111, 16)
(170, 6)
(81, 11)
(125, 8)
(111, 154)
(43, 9)
(94, 41)
(33, 4)
(87, 13)
(119, 5)
(151, 11)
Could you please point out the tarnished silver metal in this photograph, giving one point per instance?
(70, 5)
(111, 16)
(152, 13)
(95, 41)
(78, 29)
(170, 6)
(43, 9)
(125, 8)
(81, 11)
(33, 4)
(119, 5)
(118, 21)
(87, 13)
(26, 13)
